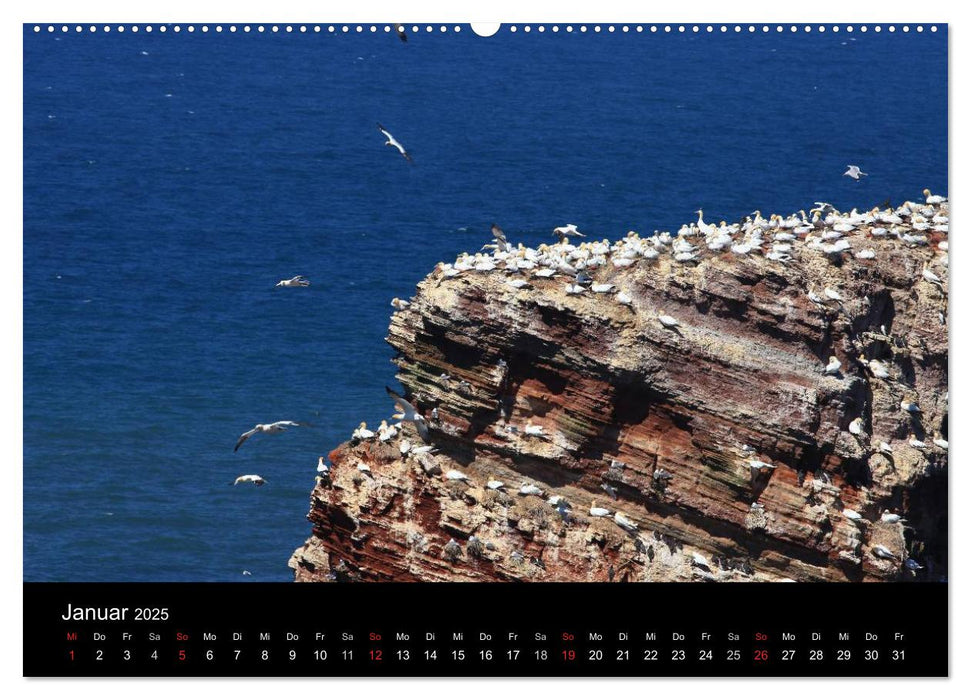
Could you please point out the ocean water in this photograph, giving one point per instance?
(170, 180)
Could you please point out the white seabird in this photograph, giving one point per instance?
(889, 517)
(624, 298)
(564, 232)
(834, 365)
(408, 413)
(534, 430)
(909, 406)
(698, 560)
(456, 475)
(832, 294)
(668, 321)
(598, 288)
(400, 304)
(322, 466)
(268, 428)
(879, 369)
(598, 512)
(882, 552)
(915, 443)
(854, 172)
(298, 281)
(856, 426)
(494, 484)
(362, 432)
(933, 198)
(530, 490)
(852, 514)
(625, 522)
(393, 142)
(940, 441)
(250, 479)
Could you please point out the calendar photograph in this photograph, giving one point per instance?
(402, 303)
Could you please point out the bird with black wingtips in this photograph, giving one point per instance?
(408, 413)
(269, 429)
(394, 142)
(854, 172)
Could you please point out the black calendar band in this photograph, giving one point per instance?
(343, 630)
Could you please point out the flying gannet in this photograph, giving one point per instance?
(408, 413)
(564, 232)
(250, 479)
(298, 281)
(392, 142)
(854, 172)
(268, 428)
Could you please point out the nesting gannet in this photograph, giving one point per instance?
(268, 428)
(494, 484)
(575, 289)
(392, 142)
(668, 321)
(832, 294)
(322, 467)
(408, 413)
(250, 479)
(298, 281)
(456, 475)
(888, 517)
(854, 172)
(518, 283)
(534, 430)
(886, 449)
(866, 254)
(931, 277)
(852, 514)
(912, 565)
(362, 432)
(915, 443)
(933, 198)
(400, 304)
(940, 441)
(624, 299)
(834, 365)
(556, 500)
(879, 369)
(530, 490)
(625, 522)
(363, 468)
(909, 407)
(404, 447)
(386, 432)
(598, 512)
(601, 288)
(698, 560)
(856, 426)
(882, 552)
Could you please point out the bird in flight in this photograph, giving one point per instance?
(298, 281)
(393, 142)
(408, 413)
(268, 428)
(250, 479)
(854, 172)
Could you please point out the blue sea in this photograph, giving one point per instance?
(170, 180)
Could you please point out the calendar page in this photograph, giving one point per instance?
(410, 349)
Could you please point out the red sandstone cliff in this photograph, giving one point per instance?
(688, 411)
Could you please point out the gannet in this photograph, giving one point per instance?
(934, 198)
(456, 475)
(854, 172)
(832, 294)
(494, 484)
(885, 448)
(392, 142)
(597, 512)
(852, 514)
(882, 552)
(931, 277)
(250, 479)
(518, 283)
(564, 232)
(624, 299)
(698, 560)
(298, 281)
(575, 289)
(533, 429)
(404, 447)
(362, 432)
(386, 432)
(530, 490)
(834, 365)
(363, 468)
(617, 464)
(556, 500)
(915, 443)
(400, 304)
(940, 441)
(879, 369)
(888, 517)
(601, 288)
(625, 522)
(668, 321)
(912, 565)
(408, 413)
(909, 406)
(269, 428)
(322, 466)
(856, 426)
(867, 254)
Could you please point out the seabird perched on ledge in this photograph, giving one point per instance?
(269, 428)
(834, 365)
(393, 142)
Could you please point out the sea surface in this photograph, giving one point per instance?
(170, 180)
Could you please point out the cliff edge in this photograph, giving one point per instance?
(685, 381)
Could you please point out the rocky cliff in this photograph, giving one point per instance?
(684, 381)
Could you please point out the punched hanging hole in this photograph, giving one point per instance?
(485, 28)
